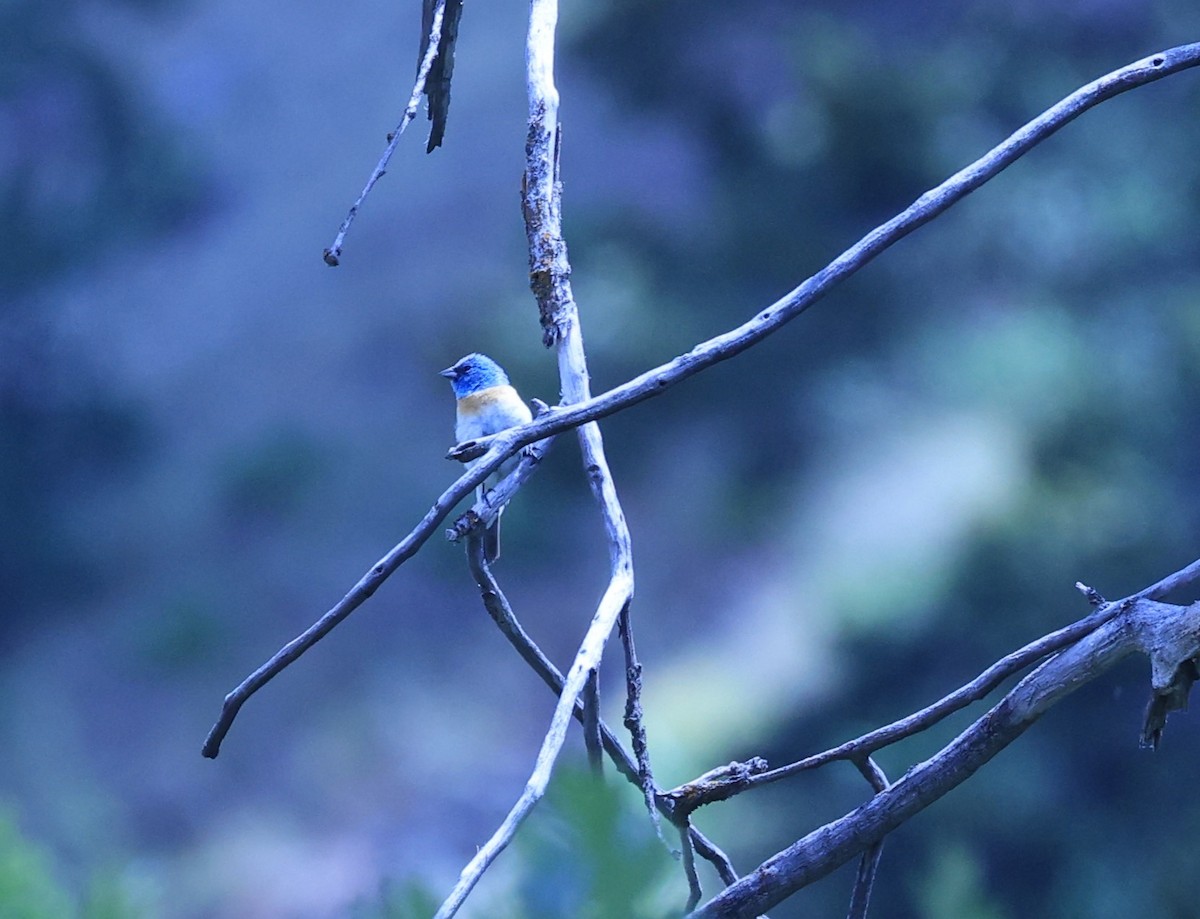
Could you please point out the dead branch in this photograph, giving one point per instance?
(1169, 635)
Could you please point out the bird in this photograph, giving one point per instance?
(486, 403)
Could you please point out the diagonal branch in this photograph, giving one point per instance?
(928, 206)
(366, 586)
(973, 691)
(1168, 635)
(983, 684)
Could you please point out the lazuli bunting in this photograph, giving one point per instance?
(486, 404)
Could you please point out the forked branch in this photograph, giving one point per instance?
(1169, 635)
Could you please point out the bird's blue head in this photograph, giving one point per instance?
(473, 373)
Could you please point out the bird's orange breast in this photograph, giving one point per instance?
(489, 411)
(487, 400)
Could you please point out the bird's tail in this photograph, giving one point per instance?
(491, 542)
(491, 536)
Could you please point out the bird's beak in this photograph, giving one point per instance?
(449, 373)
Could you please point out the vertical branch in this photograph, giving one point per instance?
(633, 720)
(591, 724)
(868, 865)
(549, 270)
(550, 279)
(437, 85)
(695, 891)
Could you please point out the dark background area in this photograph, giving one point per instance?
(207, 436)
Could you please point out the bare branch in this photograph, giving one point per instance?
(979, 687)
(366, 586)
(715, 785)
(983, 684)
(868, 865)
(550, 281)
(1168, 635)
(695, 891)
(498, 607)
(1092, 596)
(437, 85)
(431, 45)
(590, 699)
(633, 720)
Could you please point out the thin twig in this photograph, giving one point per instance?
(695, 891)
(868, 865)
(590, 699)
(1092, 596)
(983, 684)
(1184, 577)
(333, 254)
(979, 687)
(633, 719)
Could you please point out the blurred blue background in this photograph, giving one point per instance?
(207, 436)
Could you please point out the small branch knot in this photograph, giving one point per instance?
(467, 523)
(1093, 596)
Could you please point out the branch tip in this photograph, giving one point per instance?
(1093, 596)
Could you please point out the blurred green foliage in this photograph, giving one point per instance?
(403, 901)
(31, 889)
(587, 852)
(614, 865)
(28, 889)
(952, 888)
